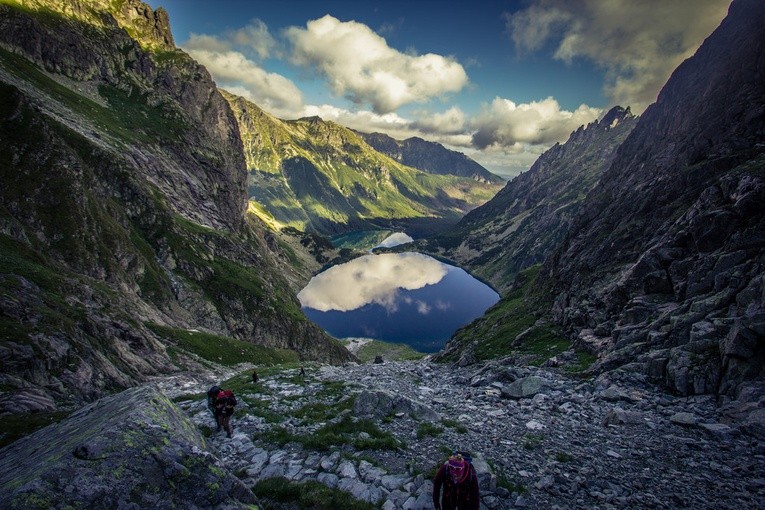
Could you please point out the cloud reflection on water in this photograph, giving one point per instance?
(372, 279)
(396, 239)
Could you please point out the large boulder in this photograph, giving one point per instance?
(381, 403)
(135, 449)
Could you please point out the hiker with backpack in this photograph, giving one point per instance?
(224, 409)
(212, 396)
(455, 486)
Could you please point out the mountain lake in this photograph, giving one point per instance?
(408, 298)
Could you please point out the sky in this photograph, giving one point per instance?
(499, 80)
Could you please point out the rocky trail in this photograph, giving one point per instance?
(539, 439)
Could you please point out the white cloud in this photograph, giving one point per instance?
(231, 59)
(371, 279)
(232, 70)
(511, 127)
(360, 65)
(450, 122)
(639, 44)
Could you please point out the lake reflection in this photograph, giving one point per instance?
(396, 297)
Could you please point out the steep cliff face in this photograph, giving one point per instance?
(430, 157)
(320, 176)
(123, 207)
(525, 222)
(663, 269)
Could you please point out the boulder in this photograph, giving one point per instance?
(381, 403)
(524, 388)
(135, 449)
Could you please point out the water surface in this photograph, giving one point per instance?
(406, 298)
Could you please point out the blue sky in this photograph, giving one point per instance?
(498, 80)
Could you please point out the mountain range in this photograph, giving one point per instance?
(319, 176)
(430, 157)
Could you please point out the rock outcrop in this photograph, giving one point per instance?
(135, 449)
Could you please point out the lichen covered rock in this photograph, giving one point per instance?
(135, 449)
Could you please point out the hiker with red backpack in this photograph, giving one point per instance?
(455, 486)
(224, 409)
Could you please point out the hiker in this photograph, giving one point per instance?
(224, 408)
(455, 486)
(302, 372)
(212, 396)
(254, 376)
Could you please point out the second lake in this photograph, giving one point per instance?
(407, 298)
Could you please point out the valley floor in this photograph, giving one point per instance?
(607, 443)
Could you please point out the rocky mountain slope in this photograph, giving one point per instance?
(123, 225)
(322, 177)
(371, 436)
(661, 272)
(428, 156)
(527, 220)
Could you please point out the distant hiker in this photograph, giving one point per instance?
(302, 372)
(255, 376)
(455, 486)
(224, 408)
(212, 396)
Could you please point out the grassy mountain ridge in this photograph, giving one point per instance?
(318, 175)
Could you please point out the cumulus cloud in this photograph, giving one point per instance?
(360, 65)
(512, 126)
(450, 122)
(371, 279)
(232, 59)
(638, 44)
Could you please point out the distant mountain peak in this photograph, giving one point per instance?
(312, 119)
(431, 157)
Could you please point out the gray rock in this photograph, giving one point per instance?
(524, 388)
(618, 416)
(684, 419)
(328, 479)
(718, 430)
(615, 394)
(392, 482)
(346, 469)
(381, 403)
(113, 435)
